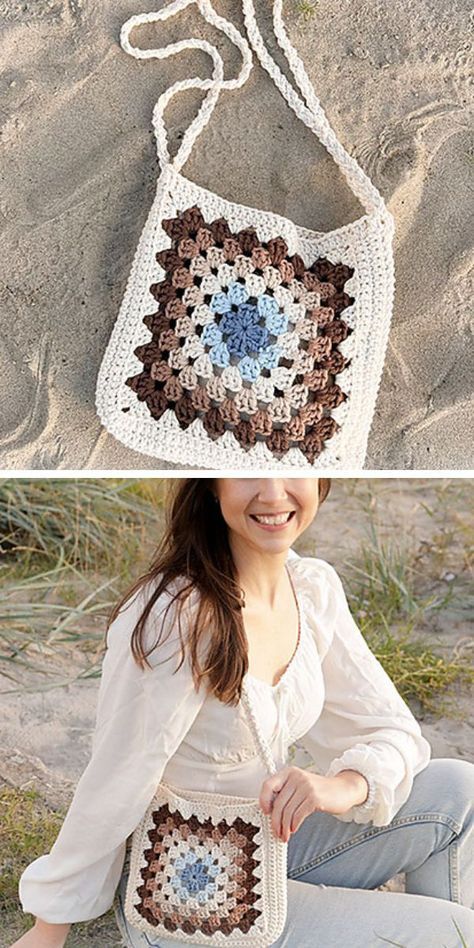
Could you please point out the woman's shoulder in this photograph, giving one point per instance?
(313, 569)
(168, 616)
(162, 595)
(320, 594)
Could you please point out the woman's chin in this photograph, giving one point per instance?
(273, 541)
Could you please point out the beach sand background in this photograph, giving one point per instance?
(78, 177)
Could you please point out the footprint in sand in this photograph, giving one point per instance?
(32, 10)
(25, 404)
(398, 148)
(399, 158)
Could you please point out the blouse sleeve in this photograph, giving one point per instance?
(142, 716)
(365, 724)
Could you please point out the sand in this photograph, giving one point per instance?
(79, 171)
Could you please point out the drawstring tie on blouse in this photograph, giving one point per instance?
(284, 696)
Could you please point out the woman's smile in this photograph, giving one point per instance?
(273, 521)
(266, 515)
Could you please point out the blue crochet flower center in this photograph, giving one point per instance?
(244, 334)
(244, 331)
(194, 876)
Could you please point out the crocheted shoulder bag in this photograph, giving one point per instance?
(206, 868)
(245, 340)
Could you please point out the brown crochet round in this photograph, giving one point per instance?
(199, 876)
(245, 337)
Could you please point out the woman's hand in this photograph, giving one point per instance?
(293, 793)
(43, 935)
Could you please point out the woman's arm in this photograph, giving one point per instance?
(365, 725)
(43, 935)
(142, 717)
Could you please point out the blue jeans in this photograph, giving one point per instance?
(333, 868)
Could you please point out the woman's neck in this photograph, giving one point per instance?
(260, 574)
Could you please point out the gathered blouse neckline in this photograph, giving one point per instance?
(298, 648)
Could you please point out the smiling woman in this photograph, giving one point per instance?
(267, 654)
(212, 536)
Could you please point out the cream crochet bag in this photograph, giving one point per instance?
(206, 868)
(245, 340)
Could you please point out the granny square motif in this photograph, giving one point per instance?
(244, 340)
(200, 875)
(206, 868)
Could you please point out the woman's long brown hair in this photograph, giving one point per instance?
(195, 551)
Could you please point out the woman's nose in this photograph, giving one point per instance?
(272, 489)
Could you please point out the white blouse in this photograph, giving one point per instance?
(334, 698)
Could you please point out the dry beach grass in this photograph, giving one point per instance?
(404, 548)
(79, 172)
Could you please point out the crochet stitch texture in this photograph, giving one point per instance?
(267, 343)
(245, 337)
(206, 867)
(205, 874)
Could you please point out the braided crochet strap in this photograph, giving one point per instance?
(213, 85)
(258, 736)
(311, 114)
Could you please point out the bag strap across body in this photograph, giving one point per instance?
(308, 109)
(257, 733)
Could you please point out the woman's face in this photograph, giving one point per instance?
(267, 513)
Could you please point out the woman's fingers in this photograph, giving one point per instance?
(282, 808)
(299, 814)
(270, 787)
(282, 794)
(291, 795)
(294, 804)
